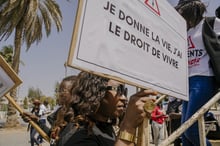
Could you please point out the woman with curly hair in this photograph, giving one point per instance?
(201, 77)
(97, 103)
(91, 107)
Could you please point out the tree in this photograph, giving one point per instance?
(26, 18)
(7, 53)
(56, 86)
(34, 93)
(53, 103)
(25, 103)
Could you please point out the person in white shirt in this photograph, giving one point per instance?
(201, 77)
(43, 113)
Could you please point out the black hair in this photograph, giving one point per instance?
(192, 11)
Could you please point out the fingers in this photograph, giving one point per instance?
(147, 92)
(27, 117)
(143, 94)
(138, 103)
(140, 98)
(135, 112)
(26, 114)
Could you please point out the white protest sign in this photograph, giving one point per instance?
(8, 78)
(142, 42)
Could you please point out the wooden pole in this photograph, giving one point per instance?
(39, 130)
(192, 120)
(143, 138)
(202, 135)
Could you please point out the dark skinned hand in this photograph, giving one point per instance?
(26, 116)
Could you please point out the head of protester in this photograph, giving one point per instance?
(65, 90)
(46, 102)
(192, 11)
(36, 104)
(60, 118)
(97, 102)
(98, 99)
(202, 83)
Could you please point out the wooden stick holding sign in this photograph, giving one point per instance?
(143, 129)
(39, 130)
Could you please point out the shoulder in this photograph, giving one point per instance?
(42, 106)
(217, 26)
(82, 138)
(214, 23)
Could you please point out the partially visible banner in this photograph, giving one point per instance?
(8, 81)
(141, 42)
(8, 78)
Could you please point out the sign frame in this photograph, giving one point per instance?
(74, 43)
(8, 78)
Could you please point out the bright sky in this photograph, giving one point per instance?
(44, 63)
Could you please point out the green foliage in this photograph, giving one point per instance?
(34, 93)
(52, 103)
(25, 103)
(7, 53)
(27, 19)
(57, 86)
(29, 16)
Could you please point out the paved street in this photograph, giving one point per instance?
(20, 136)
(15, 136)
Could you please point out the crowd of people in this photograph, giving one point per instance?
(91, 105)
(95, 104)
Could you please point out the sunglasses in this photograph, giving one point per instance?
(121, 89)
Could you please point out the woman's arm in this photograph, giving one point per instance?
(134, 116)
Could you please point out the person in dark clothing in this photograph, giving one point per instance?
(212, 125)
(217, 12)
(174, 122)
(97, 102)
(202, 83)
(33, 131)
